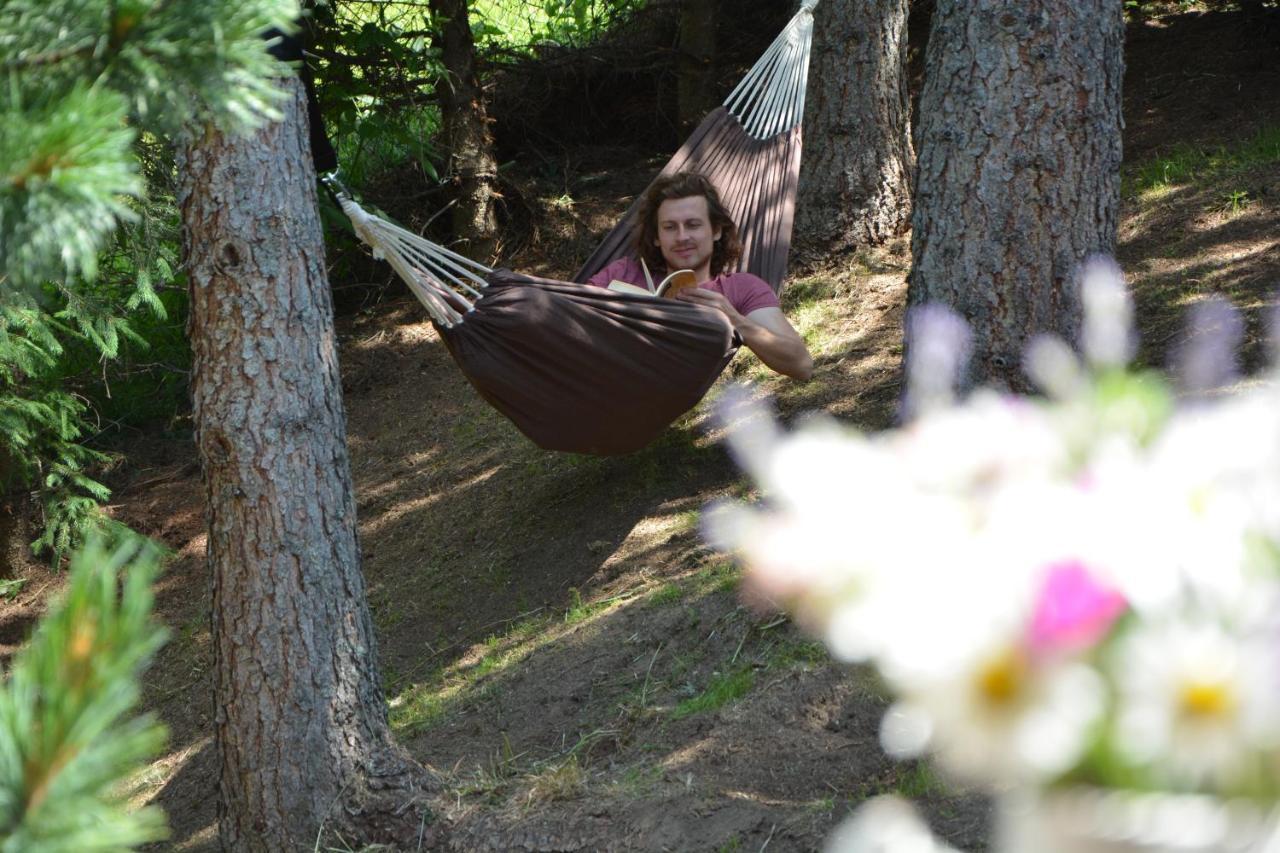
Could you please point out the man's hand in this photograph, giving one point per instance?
(765, 331)
(711, 299)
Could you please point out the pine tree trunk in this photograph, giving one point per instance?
(301, 723)
(695, 86)
(855, 178)
(466, 125)
(1019, 172)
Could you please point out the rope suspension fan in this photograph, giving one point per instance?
(588, 370)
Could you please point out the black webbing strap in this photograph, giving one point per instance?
(289, 48)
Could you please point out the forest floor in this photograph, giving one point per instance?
(556, 641)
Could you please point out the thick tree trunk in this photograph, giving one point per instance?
(301, 723)
(1019, 172)
(855, 178)
(695, 86)
(466, 124)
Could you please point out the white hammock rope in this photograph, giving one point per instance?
(441, 279)
(769, 100)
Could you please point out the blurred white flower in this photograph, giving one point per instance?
(1046, 586)
(1108, 313)
(1198, 705)
(884, 825)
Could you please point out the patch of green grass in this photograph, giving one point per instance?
(721, 576)
(581, 611)
(688, 520)
(731, 845)
(796, 651)
(1235, 202)
(564, 780)
(805, 293)
(724, 688)
(419, 708)
(639, 779)
(667, 594)
(1185, 163)
(9, 589)
(919, 781)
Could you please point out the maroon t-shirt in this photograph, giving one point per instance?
(745, 292)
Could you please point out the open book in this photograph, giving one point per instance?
(668, 287)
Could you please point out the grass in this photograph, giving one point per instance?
(563, 780)
(1186, 163)
(919, 781)
(724, 688)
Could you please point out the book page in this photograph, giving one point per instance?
(625, 287)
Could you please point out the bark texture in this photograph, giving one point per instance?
(855, 178)
(472, 164)
(1019, 171)
(696, 85)
(301, 723)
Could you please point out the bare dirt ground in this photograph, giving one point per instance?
(556, 641)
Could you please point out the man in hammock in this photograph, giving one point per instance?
(683, 225)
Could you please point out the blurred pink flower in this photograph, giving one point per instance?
(1073, 610)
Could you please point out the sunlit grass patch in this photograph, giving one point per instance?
(666, 594)
(720, 576)
(563, 780)
(1185, 163)
(580, 611)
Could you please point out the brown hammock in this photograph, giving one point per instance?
(618, 370)
(588, 370)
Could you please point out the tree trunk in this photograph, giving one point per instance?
(466, 125)
(695, 86)
(855, 178)
(1019, 172)
(301, 723)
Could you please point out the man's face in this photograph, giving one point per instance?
(685, 235)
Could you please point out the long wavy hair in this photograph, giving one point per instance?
(724, 251)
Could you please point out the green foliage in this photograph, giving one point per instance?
(88, 239)
(521, 25)
(66, 745)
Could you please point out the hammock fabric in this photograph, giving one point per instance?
(757, 183)
(618, 370)
(588, 370)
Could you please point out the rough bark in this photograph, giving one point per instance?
(472, 164)
(301, 726)
(855, 178)
(1019, 172)
(695, 86)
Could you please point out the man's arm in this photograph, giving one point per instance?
(765, 331)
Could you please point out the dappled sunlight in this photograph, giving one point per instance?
(402, 508)
(144, 788)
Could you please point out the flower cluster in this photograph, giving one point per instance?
(1079, 589)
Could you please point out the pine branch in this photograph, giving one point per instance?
(65, 742)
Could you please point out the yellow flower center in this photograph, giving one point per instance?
(1205, 699)
(1002, 679)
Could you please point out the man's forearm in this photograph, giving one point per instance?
(785, 354)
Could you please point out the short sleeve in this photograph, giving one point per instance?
(747, 293)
